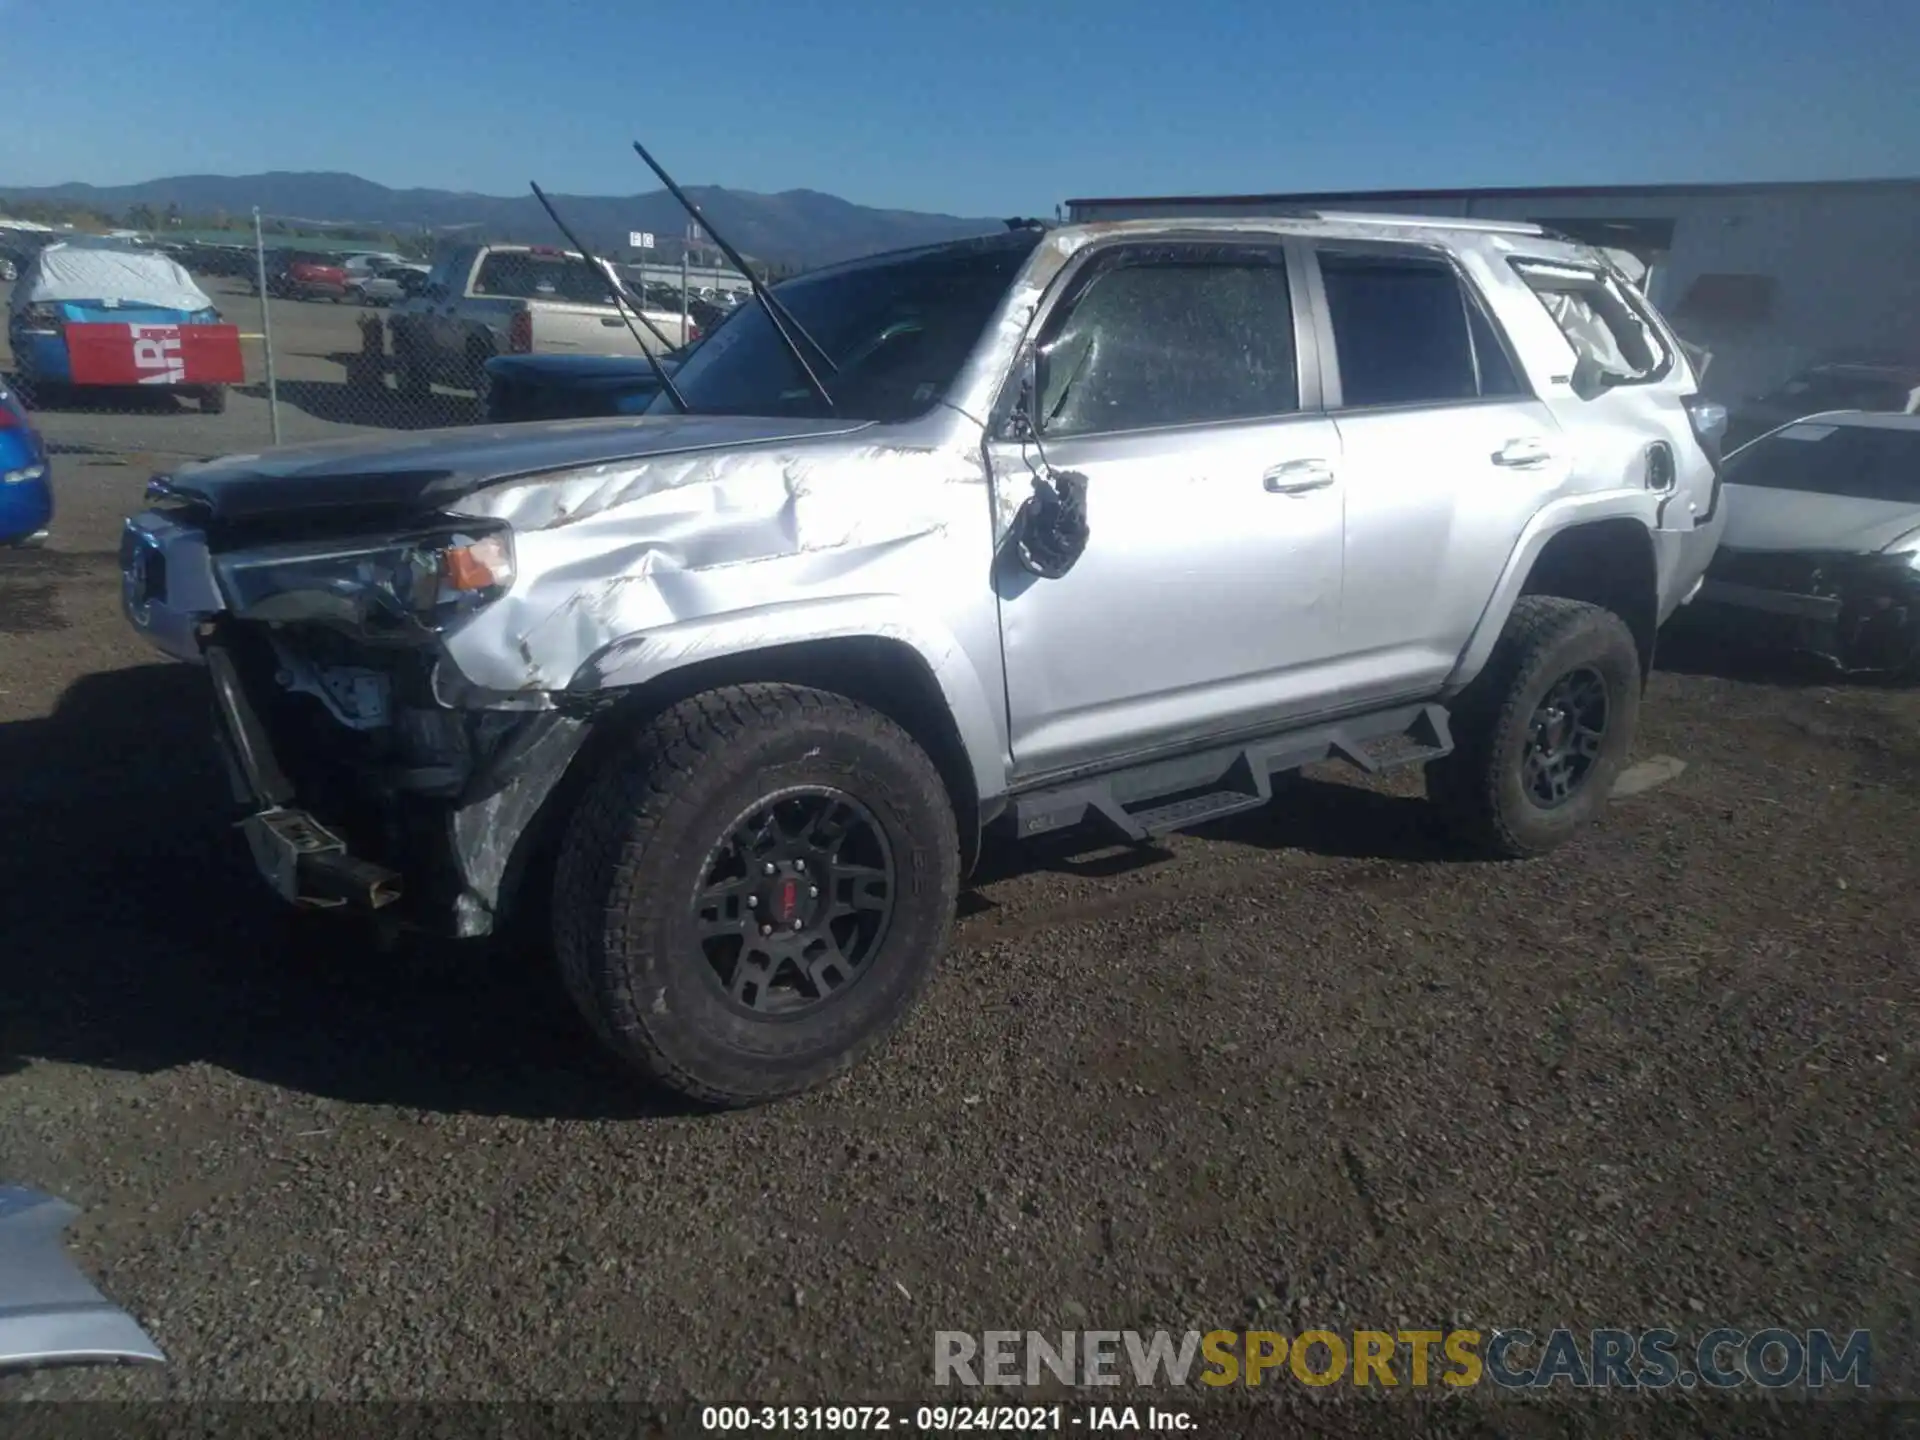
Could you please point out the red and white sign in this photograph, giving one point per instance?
(155, 355)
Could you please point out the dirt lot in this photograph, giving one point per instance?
(1302, 1069)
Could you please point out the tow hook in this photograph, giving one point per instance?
(308, 865)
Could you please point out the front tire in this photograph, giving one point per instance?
(1543, 732)
(683, 921)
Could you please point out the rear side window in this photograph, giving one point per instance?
(1407, 332)
(1174, 335)
(1600, 320)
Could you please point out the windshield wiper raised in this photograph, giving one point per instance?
(622, 298)
(776, 312)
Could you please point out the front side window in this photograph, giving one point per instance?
(1173, 335)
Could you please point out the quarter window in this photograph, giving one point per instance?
(1171, 336)
(1599, 320)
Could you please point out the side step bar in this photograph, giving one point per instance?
(1165, 795)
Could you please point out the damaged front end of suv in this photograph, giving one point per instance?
(330, 679)
(410, 640)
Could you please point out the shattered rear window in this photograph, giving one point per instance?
(1859, 462)
(1600, 320)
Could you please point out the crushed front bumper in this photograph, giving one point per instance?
(366, 822)
(410, 804)
(1862, 612)
(305, 862)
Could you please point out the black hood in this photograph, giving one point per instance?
(393, 479)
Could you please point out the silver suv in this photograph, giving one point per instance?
(1093, 524)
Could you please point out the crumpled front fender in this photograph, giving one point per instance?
(645, 658)
(50, 1314)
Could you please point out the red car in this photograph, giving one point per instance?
(301, 275)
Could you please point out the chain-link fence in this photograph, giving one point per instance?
(242, 346)
(1786, 297)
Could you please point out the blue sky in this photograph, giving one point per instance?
(973, 108)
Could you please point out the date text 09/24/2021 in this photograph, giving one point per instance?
(943, 1419)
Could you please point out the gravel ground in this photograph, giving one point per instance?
(1304, 1068)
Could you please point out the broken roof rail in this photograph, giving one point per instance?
(1436, 222)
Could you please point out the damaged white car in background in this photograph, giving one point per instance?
(1822, 547)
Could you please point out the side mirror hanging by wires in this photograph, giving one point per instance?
(1050, 530)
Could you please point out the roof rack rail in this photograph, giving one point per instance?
(1443, 222)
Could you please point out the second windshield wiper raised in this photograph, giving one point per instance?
(776, 312)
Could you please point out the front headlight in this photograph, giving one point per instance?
(399, 589)
(1906, 548)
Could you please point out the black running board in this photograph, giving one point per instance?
(1159, 796)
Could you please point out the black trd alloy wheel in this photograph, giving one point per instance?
(1543, 732)
(753, 890)
(795, 901)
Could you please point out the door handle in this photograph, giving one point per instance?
(1298, 477)
(1522, 455)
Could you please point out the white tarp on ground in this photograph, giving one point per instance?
(66, 272)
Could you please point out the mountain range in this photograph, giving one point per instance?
(795, 227)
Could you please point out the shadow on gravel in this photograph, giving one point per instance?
(30, 593)
(1321, 817)
(102, 399)
(138, 939)
(347, 404)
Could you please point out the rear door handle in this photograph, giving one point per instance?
(1298, 477)
(1522, 455)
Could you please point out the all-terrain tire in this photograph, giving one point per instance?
(635, 851)
(1482, 784)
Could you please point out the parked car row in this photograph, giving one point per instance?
(367, 278)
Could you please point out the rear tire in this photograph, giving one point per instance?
(1531, 769)
(645, 956)
(213, 400)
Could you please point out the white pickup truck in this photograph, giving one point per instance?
(487, 300)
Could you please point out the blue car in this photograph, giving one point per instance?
(100, 282)
(26, 487)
